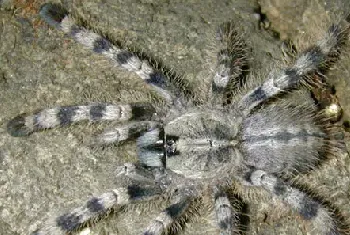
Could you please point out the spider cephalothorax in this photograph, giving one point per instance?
(185, 148)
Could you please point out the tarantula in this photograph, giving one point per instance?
(185, 148)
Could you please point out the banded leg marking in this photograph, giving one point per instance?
(231, 59)
(150, 148)
(95, 207)
(313, 60)
(24, 125)
(122, 133)
(56, 16)
(308, 208)
(225, 214)
(137, 173)
(167, 217)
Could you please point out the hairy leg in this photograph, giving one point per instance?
(231, 64)
(167, 217)
(120, 133)
(56, 16)
(313, 60)
(308, 208)
(97, 206)
(231, 58)
(137, 173)
(226, 216)
(24, 125)
(150, 148)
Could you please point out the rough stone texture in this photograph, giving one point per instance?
(291, 19)
(50, 172)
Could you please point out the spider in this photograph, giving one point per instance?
(187, 149)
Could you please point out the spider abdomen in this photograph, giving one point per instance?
(284, 138)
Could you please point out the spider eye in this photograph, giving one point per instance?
(170, 146)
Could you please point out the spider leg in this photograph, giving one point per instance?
(56, 16)
(226, 217)
(231, 58)
(315, 59)
(308, 208)
(137, 173)
(122, 133)
(97, 206)
(168, 216)
(24, 125)
(150, 148)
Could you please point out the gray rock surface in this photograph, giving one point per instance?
(47, 173)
